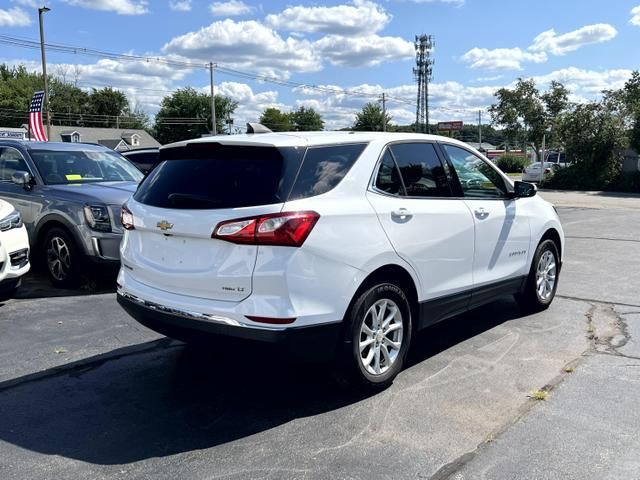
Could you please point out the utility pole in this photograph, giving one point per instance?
(384, 113)
(42, 10)
(480, 130)
(213, 101)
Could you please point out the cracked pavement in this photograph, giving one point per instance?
(120, 401)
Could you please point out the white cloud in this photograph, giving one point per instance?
(14, 17)
(29, 3)
(367, 51)
(586, 83)
(359, 17)
(635, 16)
(453, 2)
(548, 42)
(246, 45)
(502, 58)
(121, 7)
(232, 8)
(555, 44)
(180, 5)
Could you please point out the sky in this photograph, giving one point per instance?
(354, 50)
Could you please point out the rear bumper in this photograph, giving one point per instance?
(315, 342)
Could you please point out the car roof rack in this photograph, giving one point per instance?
(257, 128)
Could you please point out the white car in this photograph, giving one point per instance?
(337, 243)
(14, 249)
(531, 173)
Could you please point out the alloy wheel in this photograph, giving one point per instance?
(380, 338)
(546, 275)
(58, 258)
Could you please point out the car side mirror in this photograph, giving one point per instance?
(24, 179)
(524, 189)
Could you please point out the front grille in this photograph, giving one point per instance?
(20, 258)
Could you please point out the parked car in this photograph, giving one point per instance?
(14, 249)
(69, 196)
(340, 243)
(559, 158)
(143, 158)
(531, 173)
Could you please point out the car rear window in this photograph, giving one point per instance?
(215, 176)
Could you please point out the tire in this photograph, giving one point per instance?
(60, 257)
(380, 360)
(545, 269)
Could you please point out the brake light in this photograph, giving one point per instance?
(287, 229)
(126, 218)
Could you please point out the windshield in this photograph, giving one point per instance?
(62, 167)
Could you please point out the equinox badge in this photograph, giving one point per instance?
(164, 225)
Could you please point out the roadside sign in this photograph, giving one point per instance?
(450, 126)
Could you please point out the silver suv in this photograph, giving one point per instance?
(70, 196)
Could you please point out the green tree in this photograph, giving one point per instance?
(16, 89)
(276, 120)
(306, 119)
(594, 136)
(526, 115)
(186, 114)
(107, 105)
(631, 97)
(372, 119)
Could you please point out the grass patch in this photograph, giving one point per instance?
(539, 395)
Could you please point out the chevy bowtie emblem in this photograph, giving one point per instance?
(164, 225)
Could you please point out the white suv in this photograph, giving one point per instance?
(339, 242)
(14, 249)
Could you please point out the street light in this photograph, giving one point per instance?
(42, 10)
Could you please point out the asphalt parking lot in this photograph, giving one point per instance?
(86, 392)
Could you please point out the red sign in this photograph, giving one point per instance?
(450, 125)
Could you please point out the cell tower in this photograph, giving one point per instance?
(424, 68)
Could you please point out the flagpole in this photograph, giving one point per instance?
(44, 71)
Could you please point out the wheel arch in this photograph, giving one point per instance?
(55, 221)
(553, 235)
(396, 274)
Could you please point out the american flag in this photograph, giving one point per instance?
(35, 117)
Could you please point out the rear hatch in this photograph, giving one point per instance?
(177, 207)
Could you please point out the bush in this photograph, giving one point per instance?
(626, 182)
(510, 163)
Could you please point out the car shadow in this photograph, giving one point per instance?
(36, 284)
(164, 398)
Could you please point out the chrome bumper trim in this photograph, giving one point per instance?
(203, 317)
(180, 313)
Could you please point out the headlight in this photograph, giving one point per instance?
(13, 220)
(97, 217)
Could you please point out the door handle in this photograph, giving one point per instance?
(481, 213)
(401, 213)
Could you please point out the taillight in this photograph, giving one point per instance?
(547, 170)
(126, 218)
(287, 229)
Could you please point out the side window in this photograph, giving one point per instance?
(422, 172)
(388, 179)
(323, 168)
(11, 161)
(476, 177)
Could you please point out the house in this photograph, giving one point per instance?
(117, 139)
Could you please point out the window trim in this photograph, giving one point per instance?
(507, 183)
(24, 158)
(443, 160)
(327, 145)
